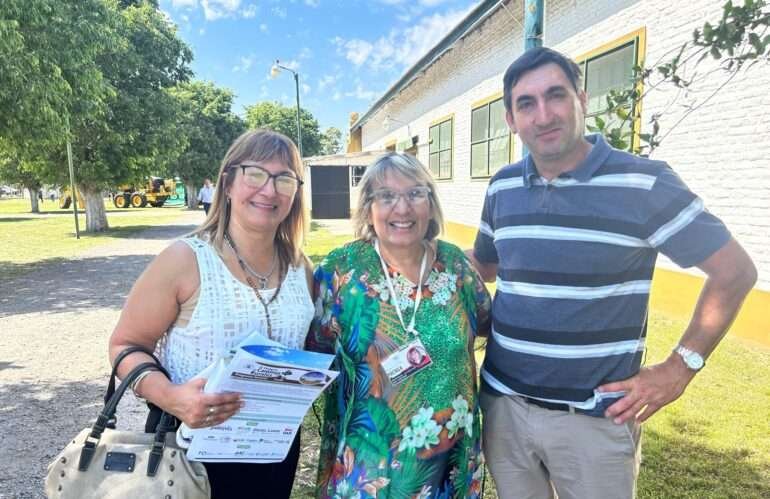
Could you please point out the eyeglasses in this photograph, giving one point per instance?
(257, 177)
(414, 196)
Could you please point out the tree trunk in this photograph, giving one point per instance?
(33, 199)
(192, 196)
(96, 215)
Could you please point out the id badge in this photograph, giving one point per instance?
(406, 361)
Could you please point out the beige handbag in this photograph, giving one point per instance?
(105, 463)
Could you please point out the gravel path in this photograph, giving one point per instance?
(54, 326)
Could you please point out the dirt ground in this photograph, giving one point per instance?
(54, 326)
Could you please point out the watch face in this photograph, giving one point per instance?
(694, 361)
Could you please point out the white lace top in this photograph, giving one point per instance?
(227, 311)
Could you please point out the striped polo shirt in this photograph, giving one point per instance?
(575, 258)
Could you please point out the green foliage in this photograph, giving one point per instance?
(277, 117)
(138, 136)
(208, 127)
(737, 41)
(331, 141)
(48, 52)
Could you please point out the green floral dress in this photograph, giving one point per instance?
(420, 438)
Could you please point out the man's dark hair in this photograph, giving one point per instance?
(533, 59)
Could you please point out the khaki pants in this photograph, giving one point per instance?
(531, 451)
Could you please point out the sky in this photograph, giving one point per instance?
(347, 53)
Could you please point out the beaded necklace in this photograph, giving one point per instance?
(263, 284)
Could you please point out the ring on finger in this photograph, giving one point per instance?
(212, 409)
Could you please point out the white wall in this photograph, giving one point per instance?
(720, 150)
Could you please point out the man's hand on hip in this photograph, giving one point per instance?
(651, 389)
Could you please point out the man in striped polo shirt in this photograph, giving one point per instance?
(570, 234)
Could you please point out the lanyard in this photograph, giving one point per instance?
(393, 299)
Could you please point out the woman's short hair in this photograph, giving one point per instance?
(259, 145)
(407, 166)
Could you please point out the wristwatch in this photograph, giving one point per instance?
(693, 360)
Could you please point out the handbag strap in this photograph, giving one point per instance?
(112, 423)
(108, 413)
(118, 359)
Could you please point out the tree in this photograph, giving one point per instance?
(736, 42)
(13, 171)
(331, 141)
(48, 51)
(138, 136)
(102, 67)
(209, 127)
(279, 118)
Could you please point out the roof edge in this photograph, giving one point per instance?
(479, 13)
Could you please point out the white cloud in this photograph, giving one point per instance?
(355, 50)
(249, 12)
(244, 64)
(184, 4)
(337, 95)
(305, 53)
(216, 9)
(361, 93)
(305, 89)
(312, 3)
(202, 31)
(325, 81)
(263, 28)
(263, 92)
(401, 47)
(292, 64)
(280, 12)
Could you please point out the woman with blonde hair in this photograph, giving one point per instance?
(400, 310)
(240, 272)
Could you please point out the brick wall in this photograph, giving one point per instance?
(720, 150)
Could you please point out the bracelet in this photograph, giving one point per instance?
(139, 378)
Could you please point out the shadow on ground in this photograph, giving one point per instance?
(38, 419)
(60, 285)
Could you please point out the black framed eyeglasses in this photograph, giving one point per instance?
(257, 177)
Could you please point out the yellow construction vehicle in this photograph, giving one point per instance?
(155, 193)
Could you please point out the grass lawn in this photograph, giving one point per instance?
(29, 240)
(714, 442)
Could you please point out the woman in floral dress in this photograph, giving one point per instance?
(402, 420)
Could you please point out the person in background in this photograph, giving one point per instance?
(240, 272)
(206, 195)
(393, 428)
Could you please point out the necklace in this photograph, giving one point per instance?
(262, 279)
(263, 284)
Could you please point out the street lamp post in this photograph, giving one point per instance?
(274, 71)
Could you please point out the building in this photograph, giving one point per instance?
(447, 110)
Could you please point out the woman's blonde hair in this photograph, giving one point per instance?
(407, 166)
(259, 145)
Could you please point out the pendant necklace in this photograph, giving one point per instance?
(262, 279)
(249, 272)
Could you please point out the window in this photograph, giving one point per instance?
(611, 70)
(356, 172)
(490, 139)
(440, 149)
